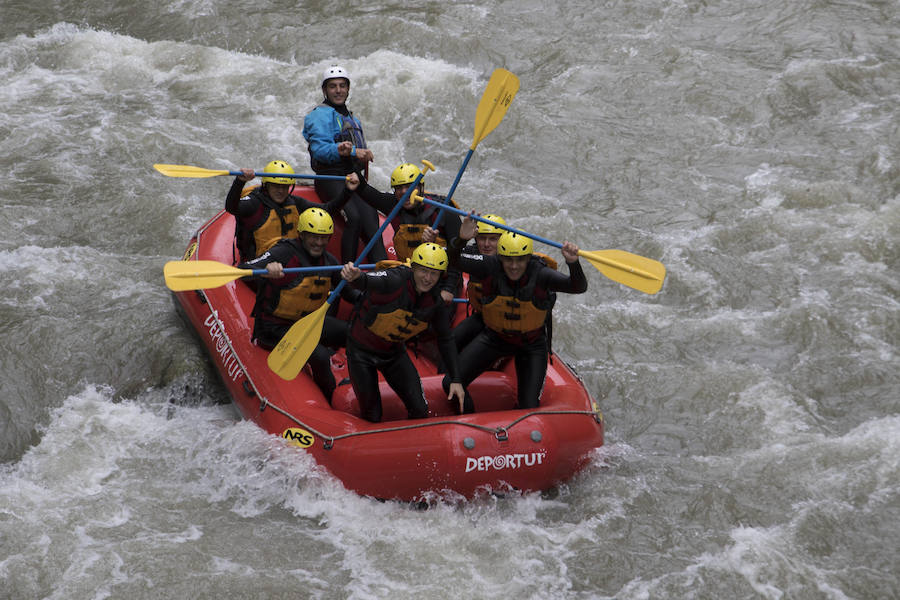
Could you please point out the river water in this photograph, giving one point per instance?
(753, 429)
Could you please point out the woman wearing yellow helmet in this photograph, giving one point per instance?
(270, 213)
(518, 293)
(282, 299)
(396, 305)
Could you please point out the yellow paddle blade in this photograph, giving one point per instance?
(187, 171)
(499, 93)
(643, 274)
(183, 275)
(295, 348)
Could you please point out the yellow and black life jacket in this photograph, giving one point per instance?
(395, 316)
(408, 228)
(299, 300)
(264, 228)
(295, 296)
(510, 309)
(474, 291)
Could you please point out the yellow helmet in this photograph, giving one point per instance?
(278, 166)
(431, 256)
(482, 228)
(316, 220)
(404, 174)
(513, 244)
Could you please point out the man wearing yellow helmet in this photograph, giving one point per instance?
(270, 213)
(337, 146)
(396, 305)
(412, 224)
(517, 297)
(282, 299)
(486, 238)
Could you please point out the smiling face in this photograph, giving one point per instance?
(278, 192)
(315, 243)
(487, 243)
(336, 90)
(514, 266)
(425, 278)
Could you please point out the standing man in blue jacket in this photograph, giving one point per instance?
(337, 146)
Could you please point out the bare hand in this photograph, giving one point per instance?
(274, 270)
(447, 296)
(429, 234)
(467, 229)
(350, 272)
(344, 148)
(570, 252)
(457, 390)
(365, 154)
(352, 181)
(246, 175)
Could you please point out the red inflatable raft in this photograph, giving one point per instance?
(498, 449)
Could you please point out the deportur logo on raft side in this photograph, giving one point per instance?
(230, 364)
(504, 461)
(299, 437)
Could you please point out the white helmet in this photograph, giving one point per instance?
(334, 72)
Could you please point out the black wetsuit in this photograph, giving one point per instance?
(529, 348)
(268, 328)
(369, 351)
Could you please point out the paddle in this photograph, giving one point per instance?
(497, 96)
(183, 275)
(643, 274)
(295, 348)
(200, 172)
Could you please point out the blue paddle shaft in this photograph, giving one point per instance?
(440, 216)
(311, 269)
(293, 175)
(494, 223)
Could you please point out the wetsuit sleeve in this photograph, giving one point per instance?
(233, 202)
(446, 343)
(450, 227)
(450, 231)
(378, 200)
(380, 281)
(348, 293)
(318, 129)
(474, 264)
(573, 283)
(277, 253)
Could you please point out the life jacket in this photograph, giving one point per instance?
(408, 228)
(270, 223)
(394, 317)
(516, 311)
(300, 295)
(474, 291)
(350, 130)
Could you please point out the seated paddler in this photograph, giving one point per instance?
(517, 295)
(282, 299)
